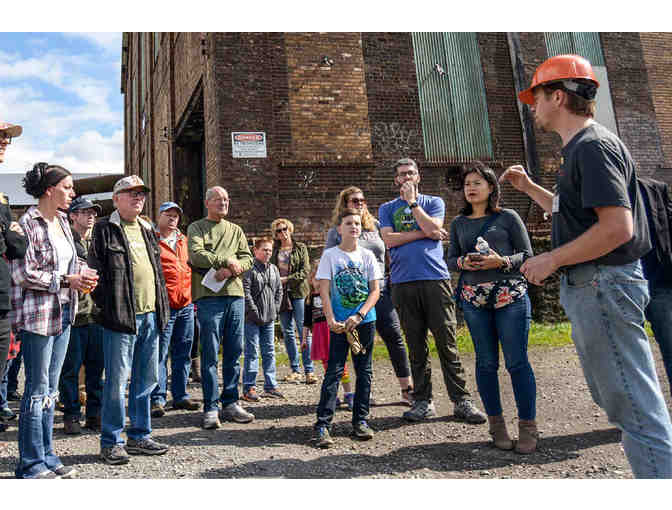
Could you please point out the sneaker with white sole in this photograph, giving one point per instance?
(235, 412)
(66, 472)
(210, 420)
(363, 431)
(114, 454)
(421, 410)
(322, 438)
(145, 447)
(467, 411)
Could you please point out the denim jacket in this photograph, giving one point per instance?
(114, 295)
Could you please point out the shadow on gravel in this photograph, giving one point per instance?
(445, 457)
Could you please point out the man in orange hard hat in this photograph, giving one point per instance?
(599, 233)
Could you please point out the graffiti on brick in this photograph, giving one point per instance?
(306, 178)
(393, 140)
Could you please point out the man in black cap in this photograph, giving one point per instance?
(12, 246)
(86, 337)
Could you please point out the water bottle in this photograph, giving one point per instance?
(482, 246)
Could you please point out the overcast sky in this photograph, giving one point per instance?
(63, 88)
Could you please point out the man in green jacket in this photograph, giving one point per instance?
(219, 255)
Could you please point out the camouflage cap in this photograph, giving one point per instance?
(129, 182)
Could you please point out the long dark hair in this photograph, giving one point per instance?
(489, 175)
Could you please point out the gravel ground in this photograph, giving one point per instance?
(576, 439)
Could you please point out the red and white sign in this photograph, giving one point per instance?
(248, 144)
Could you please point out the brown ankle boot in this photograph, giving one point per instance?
(499, 434)
(196, 370)
(527, 436)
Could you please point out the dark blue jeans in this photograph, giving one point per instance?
(86, 346)
(43, 359)
(221, 320)
(338, 354)
(508, 326)
(659, 314)
(176, 338)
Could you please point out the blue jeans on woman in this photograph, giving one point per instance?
(259, 337)
(42, 358)
(605, 305)
(508, 326)
(338, 354)
(86, 346)
(176, 338)
(221, 320)
(137, 355)
(288, 321)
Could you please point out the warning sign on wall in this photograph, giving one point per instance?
(248, 144)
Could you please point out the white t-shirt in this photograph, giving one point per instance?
(350, 274)
(64, 256)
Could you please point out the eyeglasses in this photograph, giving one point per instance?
(281, 229)
(357, 201)
(409, 173)
(88, 212)
(134, 193)
(4, 137)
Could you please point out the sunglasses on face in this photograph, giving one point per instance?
(137, 193)
(281, 229)
(358, 201)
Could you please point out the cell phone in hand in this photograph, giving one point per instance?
(474, 257)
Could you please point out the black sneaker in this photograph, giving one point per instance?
(322, 438)
(363, 431)
(158, 411)
(145, 447)
(272, 393)
(467, 411)
(421, 410)
(114, 455)
(66, 473)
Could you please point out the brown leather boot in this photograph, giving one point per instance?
(527, 436)
(500, 436)
(196, 370)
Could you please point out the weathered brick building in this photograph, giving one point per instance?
(338, 108)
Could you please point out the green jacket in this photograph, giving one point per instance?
(299, 269)
(210, 245)
(87, 311)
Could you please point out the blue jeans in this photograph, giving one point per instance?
(220, 319)
(86, 346)
(43, 358)
(605, 305)
(338, 354)
(259, 337)
(509, 326)
(176, 337)
(659, 314)
(138, 355)
(288, 321)
(14, 366)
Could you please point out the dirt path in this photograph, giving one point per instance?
(576, 440)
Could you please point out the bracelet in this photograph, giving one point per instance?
(360, 314)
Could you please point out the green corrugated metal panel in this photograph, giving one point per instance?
(586, 44)
(453, 105)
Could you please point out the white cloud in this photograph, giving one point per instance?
(109, 41)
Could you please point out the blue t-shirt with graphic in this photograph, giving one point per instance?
(417, 260)
(349, 274)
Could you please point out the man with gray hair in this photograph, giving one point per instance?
(219, 255)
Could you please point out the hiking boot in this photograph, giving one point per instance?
(71, 425)
(67, 473)
(6, 414)
(236, 413)
(310, 378)
(500, 436)
(294, 378)
(421, 410)
(527, 436)
(363, 431)
(322, 438)
(251, 395)
(145, 447)
(195, 370)
(349, 399)
(210, 420)
(467, 411)
(272, 393)
(407, 396)
(13, 396)
(187, 404)
(93, 423)
(158, 411)
(114, 455)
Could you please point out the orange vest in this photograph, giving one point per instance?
(176, 272)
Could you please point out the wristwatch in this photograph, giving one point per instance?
(360, 314)
(413, 205)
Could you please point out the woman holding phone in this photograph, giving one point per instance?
(493, 297)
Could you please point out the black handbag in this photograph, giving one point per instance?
(285, 302)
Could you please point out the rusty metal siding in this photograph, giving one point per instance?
(453, 105)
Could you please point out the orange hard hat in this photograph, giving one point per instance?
(558, 68)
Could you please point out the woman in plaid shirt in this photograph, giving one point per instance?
(44, 304)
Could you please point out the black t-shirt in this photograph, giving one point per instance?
(598, 171)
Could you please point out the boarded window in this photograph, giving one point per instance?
(587, 44)
(451, 89)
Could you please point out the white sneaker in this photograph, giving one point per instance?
(236, 413)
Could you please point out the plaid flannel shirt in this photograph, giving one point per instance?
(35, 294)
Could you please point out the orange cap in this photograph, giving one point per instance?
(560, 67)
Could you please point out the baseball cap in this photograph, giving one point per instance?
(80, 203)
(129, 182)
(169, 205)
(12, 130)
